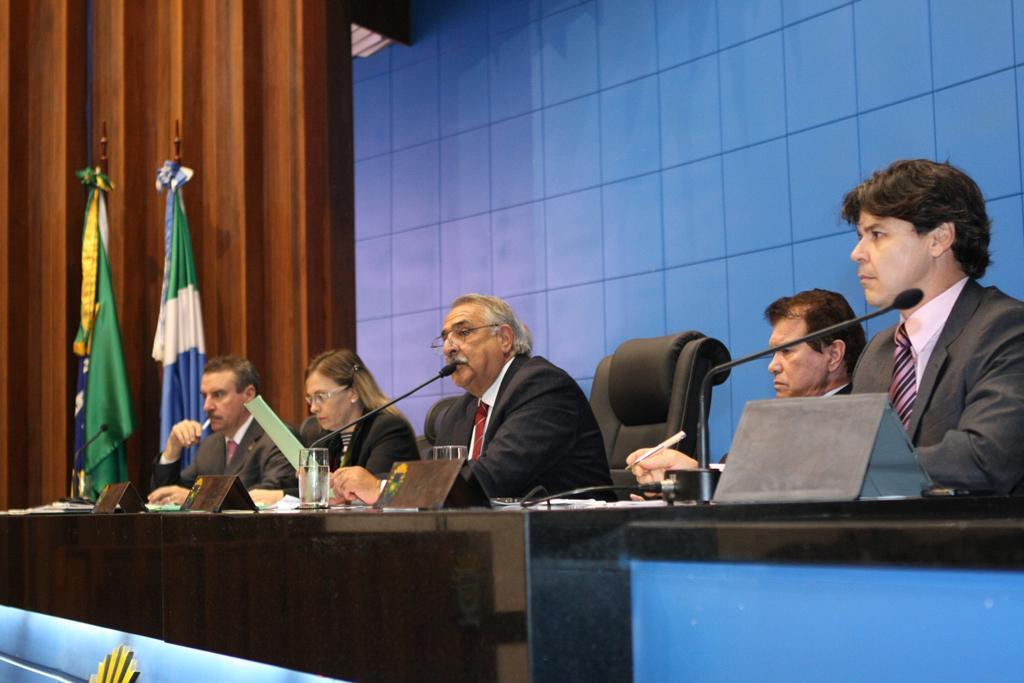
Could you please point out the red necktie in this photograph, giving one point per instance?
(478, 430)
(232, 447)
(903, 390)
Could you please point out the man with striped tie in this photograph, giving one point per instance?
(954, 364)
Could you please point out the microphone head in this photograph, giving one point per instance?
(448, 369)
(908, 298)
(103, 428)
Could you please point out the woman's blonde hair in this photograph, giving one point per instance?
(346, 368)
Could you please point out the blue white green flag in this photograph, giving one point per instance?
(179, 344)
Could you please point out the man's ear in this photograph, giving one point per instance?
(836, 355)
(942, 238)
(507, 337)
(249, 393)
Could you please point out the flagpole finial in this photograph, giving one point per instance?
(177, 142)
(103, 149)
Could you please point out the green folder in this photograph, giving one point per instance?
(277, 430)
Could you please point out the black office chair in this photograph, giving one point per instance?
(310, 430)
(648, 390)
(428, 439)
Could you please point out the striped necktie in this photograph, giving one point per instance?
(479, 420)
(903, 390)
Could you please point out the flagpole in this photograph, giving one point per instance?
(103, 150)
(177, 142)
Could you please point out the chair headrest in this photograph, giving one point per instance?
(434, 416)
(310, 430)
(640, 377)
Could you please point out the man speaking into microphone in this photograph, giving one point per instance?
(525, 422)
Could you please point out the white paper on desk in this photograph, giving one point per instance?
(58, 508)
(276, 429)
(287, 503)
(560, 503)
(575, 503)
(652, 503)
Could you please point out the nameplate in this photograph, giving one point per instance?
(820, 449)
(119, 497)
(218, 492)
(431, 485)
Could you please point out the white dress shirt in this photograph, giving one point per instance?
(924, 326)
(489, 397)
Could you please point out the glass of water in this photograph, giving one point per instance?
(314, 478)
(448, 453)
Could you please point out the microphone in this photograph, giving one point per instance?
(902, 301)
(443, 372)
(99, 432)
(74, 462)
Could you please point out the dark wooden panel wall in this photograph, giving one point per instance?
(263, 94)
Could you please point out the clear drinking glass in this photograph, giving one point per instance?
(314, 478)
(83, 486)
(448, 453)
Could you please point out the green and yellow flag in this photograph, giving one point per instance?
(103, 406)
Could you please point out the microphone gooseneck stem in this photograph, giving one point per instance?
(75, 469)
(89, 442)
(444, 372)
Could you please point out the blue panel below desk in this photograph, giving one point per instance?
(752, 622)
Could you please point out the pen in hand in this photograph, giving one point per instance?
(678, 436)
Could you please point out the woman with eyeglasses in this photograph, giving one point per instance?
(339, 389)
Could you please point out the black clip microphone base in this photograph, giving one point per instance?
(690, 485)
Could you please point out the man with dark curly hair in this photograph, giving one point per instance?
(954, 365)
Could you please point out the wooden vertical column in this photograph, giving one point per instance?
(330, 226)
(5, 298)
(128, 77)
(282, 250)
(299, 232)
(42, 214)
(125, 233)
(266, 227)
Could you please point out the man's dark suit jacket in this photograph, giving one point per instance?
(541, 432)
(257, 462)
(967, 424)
(376, 443)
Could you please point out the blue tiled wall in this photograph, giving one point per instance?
(623, 168)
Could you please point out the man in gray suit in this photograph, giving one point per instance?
(954, 365)
(238, 444)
